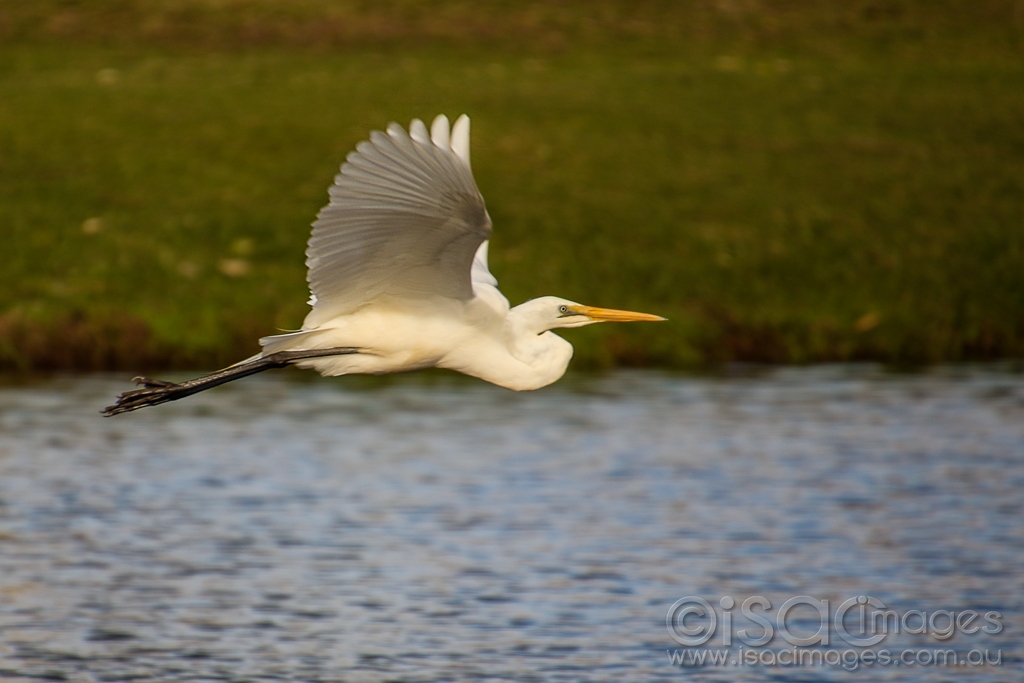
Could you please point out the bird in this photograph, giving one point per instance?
(399, 280)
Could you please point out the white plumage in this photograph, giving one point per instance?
(399, 279)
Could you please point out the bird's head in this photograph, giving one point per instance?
(551, 312)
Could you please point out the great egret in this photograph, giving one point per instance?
(399, 280)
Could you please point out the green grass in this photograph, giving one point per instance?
(785, 185)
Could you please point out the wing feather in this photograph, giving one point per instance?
(418, 132)
(460, 138)
(439, 131)
(405, 219)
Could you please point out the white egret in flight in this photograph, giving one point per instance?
(399, 280)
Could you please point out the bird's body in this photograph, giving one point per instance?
(470, 337)
(399, 280)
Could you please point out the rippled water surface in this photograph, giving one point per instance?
(416, 531)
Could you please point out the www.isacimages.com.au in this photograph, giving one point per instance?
(849, 659)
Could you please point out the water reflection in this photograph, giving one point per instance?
(344, 530)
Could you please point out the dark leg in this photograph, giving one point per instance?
(155, 391)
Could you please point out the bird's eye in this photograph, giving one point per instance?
(563, 309)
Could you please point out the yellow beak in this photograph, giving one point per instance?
(612, 315)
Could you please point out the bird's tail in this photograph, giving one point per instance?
(155, 391)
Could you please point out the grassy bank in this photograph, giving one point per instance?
(785, 185)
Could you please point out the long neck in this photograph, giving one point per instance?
(545, 353)
(517, 355)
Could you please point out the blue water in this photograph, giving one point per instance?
(426, 529)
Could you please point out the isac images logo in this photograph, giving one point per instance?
(808, 631)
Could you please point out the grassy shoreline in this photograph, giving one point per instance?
(782, 196)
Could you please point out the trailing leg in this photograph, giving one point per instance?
(156, 391)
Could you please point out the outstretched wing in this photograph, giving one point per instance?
(405, 219)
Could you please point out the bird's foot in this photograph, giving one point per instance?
(152, 392)
(150, 383)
